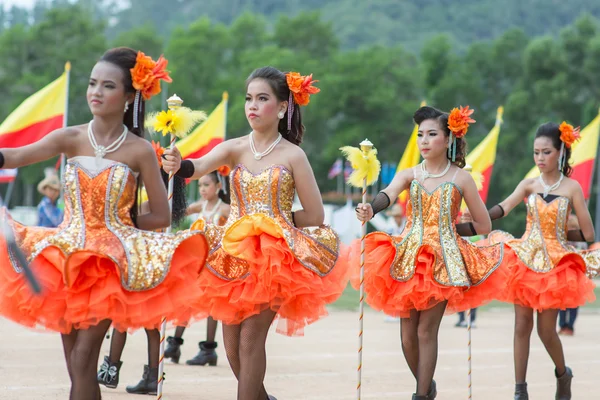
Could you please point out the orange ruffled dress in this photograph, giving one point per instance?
(428, 262)
(96, 265)
(545, 271)
(260, 260)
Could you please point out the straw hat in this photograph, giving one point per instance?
(49, 181)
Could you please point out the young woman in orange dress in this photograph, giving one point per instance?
(546, 273)
(103, 265)
(264, 263)
(429, 269)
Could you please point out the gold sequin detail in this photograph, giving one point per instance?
(431, 217)
(271, 193)
(544, 242)
(97, 221)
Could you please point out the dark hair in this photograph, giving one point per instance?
(425, 113)
(125, 58)
(223, 194)
(278, 82)
(179, 204)
(551, 131)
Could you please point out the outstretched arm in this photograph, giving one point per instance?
(51, 145)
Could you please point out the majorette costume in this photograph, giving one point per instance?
(429, 262)
(260, 260)
(96, 265)
(545, 271)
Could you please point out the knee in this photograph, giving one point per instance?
(546, 334)
(80, 358)
(249, 346)
(523, 326)
(409, 339)
(426, 333)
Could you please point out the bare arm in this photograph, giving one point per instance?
(158, 215)
(400, 183)
(51, 145)
(217, 157)
(583, 215)
(516, 197)
(313, 213)
(225, 210)
(194, 208)
(479, 214)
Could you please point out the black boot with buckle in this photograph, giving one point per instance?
(108, 374)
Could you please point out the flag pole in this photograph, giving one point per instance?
(65, 122)
(597, 168)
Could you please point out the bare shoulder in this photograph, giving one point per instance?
(572, 185)
(461, 177)
(140, 144)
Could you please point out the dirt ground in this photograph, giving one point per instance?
(322, 364)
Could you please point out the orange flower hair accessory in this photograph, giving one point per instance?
(301, 87)
(459, 120)
(159, 151)
(568, 134)
(224, 170)
(147, 74)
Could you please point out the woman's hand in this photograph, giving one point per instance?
(171, 160)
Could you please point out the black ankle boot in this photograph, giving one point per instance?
(432, 394)
(419, 397)
(521, 391)
(563, 385)
(173, 350)
(148, 384)
(207, 355)
(108, 374)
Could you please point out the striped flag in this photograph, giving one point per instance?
(206, 136)
(583, 157)
(8, 175)
(483, 157)
(335, 169)
(38, 115)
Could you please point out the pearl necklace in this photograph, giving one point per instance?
(209, 214)
(426, 174)
(550, 188)
(101, 151)
(258, 155)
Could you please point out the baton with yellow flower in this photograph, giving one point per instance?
(366, 168)
(177, 121)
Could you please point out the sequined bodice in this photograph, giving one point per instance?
(270, 192)
(262, 203)
(545, 240)
(430, 210)
(97, 221)
(108, 192)
(549, 219)
(430, 230)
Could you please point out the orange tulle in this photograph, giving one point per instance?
(96, 292)
(421, 292)
(275, 280)
(565, 286)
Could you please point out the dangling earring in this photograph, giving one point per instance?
(126, 107)
(281, 114)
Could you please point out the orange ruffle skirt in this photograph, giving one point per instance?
(565, 286)
(96, 292)
(422, 291)
(275, 280)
